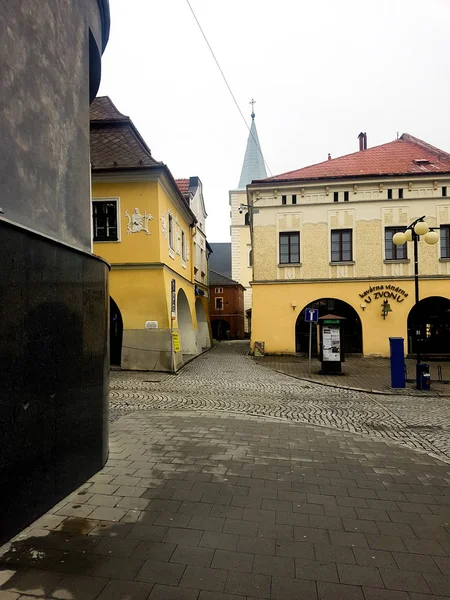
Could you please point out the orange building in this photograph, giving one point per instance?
(226, 307)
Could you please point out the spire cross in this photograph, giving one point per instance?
(253, 102)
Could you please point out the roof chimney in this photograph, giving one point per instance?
(365, 141)
(361, 141)
(329, 156)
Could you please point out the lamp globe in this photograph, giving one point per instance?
(421, 228)
(399, 238)
(431, 237)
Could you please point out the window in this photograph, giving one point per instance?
(335, 196)
(171, 231)
(445, 241)
(400, 193)
(250, 258)
(444, 191)
(183, 246)
(104, 216)
(283, 199)
(289, 248)
(341, 245)
(218, 291)
(391, 251)
(219, 303)
(294, 198)
(389, 194)
(247, 218)
(345, 196)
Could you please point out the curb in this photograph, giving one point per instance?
(354, 389)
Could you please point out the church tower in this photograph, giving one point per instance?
(241, 255)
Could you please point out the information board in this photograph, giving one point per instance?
(176, 341)
(331, 340)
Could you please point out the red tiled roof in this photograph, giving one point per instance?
(407, 155)
(115, 141)
(183, 185)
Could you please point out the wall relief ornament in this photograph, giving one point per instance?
(164, 225)
(138, 222)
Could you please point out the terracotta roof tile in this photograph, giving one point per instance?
(407, 155)
(183, 185)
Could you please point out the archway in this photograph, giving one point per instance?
(115, 333)
(186, 330)
(351, 327)
(219, 328)
(204, 340)
(429, 326)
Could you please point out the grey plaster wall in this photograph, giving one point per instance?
(44, 127)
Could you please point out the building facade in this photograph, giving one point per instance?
(322, 237)
(54, 292)
(241, 247)
(144, 227)
(226, 307)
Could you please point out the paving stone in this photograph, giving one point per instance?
(161, 551)
(118, 567)
(188, 537)
(338, 591)
(406, 581)
(359, 575)
(438, 584)
(380, 594)
(153, 571)
(234, 561)
(104, 513)
(386, 542)
(221, 541)
(274, 565)
(248, 584)
(206, 523)
(204, 578)
(312, 535)
(78, 586)
(374, 558)
(328, 553)
(240, 527)
(168, 592)
(416, 562)
(316, 570)
(129, 590)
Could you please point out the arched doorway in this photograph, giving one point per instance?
(429, 326)
(219, 328)
(186, 330)
(115, 333)
(204, 340)
(351, 327)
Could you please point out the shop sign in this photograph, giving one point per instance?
(383, 291)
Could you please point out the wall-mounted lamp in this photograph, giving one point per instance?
(302, 192)
(355, 189)
(294, 306)
(362, 306)
(410, 186)
(380, 187)
(327, 190)
(385, 309)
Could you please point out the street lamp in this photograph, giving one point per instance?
(413, 232)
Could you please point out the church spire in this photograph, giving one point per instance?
(253, 167)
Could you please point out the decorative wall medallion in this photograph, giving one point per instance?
(138, 222)
(164, 225)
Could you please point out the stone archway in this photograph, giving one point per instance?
(351, 327)
(203, 336)
(219, 328)
(115, 334)
(429, 326)
(188, 341)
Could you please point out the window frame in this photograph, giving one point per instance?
(335, 196)
(346, 196)
(446, 239)
(397, 251)
(283, 199)
(288, 235)
(102, 200)
(218, 290)
(221, 303)
(171, 231)
(183, 246)
(341, 251)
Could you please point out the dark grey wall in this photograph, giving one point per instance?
(44, 127)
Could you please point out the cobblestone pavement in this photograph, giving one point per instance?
(210, 505)
(369, 374)
(227, 379)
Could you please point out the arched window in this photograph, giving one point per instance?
(250, 258)
(247, 219)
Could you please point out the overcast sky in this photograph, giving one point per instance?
(320, 71)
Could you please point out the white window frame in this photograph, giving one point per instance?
(215, 303)
(115, 199)
(218, 290)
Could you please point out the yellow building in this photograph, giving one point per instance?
(322, 238)
(144, 227)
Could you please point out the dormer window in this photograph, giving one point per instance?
(422, 161)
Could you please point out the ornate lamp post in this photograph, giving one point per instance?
(412, 233)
